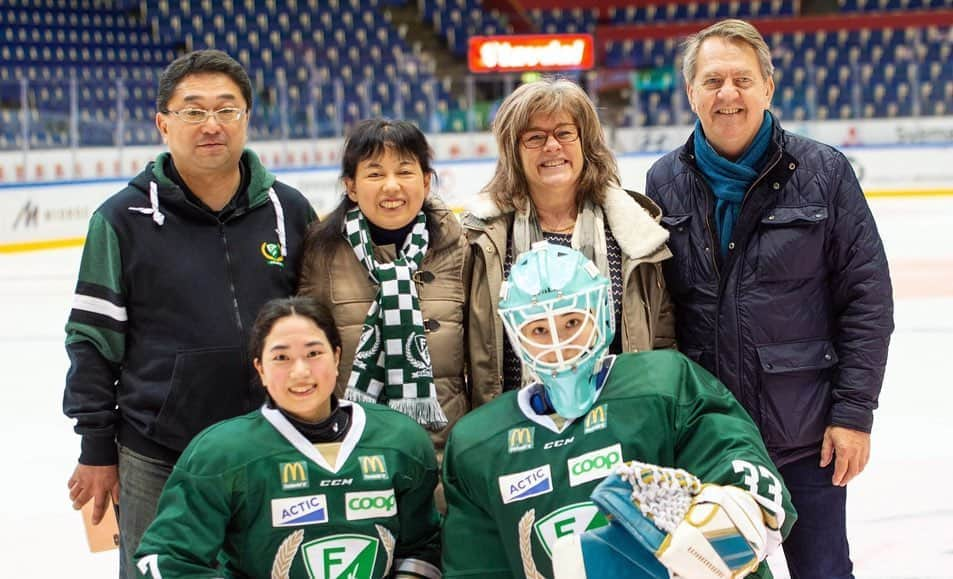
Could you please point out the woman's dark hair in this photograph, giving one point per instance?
(276, 309)
(368, 139)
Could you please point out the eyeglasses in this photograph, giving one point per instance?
(567, 133)
(199, 116)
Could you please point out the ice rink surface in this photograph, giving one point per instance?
(900, 515)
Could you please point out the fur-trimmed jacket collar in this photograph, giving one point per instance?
(633, 219)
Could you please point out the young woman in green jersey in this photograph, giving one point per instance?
(521, 471)
(307, 486)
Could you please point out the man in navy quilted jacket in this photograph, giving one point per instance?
(780, 283)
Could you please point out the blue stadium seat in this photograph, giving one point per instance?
(354, 45)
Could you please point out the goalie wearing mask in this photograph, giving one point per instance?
(683, 484)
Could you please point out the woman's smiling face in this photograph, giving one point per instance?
(389, 188)
(299, 368)
(555, 167)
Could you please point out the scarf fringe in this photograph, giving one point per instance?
(426, 411)
(355, 395)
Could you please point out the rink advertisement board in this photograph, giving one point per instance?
(56, 214)
(46, 197)
(530, 53)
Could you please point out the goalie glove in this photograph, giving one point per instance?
(608, 551)
(694, 530)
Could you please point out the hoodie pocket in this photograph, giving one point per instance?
(795, 392)
(791, 243)
(208, 385)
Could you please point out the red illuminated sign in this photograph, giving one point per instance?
(531, 52)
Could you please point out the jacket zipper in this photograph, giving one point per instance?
(768, 169)
(646, 306)
(231, 280)
(738, 347)
(498, 324)
(711, 238)
(708, 212)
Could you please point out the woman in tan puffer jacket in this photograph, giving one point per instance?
(387, 173)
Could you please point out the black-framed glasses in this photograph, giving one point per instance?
(566, 133)
(199, 116)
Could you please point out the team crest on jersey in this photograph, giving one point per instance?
(524, 485)
(596, 419)
(594, 465)
(570, 520)
(299, 511)
(272, 254)
(520, 439)
(294, 475)
(341, 557)
(370, 505)
(373, 467)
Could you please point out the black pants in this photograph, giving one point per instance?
(817, 546)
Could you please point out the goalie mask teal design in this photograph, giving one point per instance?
(556, 308)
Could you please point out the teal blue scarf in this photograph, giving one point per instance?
(730, 179)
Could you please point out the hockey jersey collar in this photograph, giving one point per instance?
(525, 395)
(291, 434)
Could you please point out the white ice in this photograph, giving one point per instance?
(900, 519)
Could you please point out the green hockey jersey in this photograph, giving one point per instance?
(252, 497)
(515, 481)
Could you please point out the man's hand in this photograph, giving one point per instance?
(849, 448)
(97, 483)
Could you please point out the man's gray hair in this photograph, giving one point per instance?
(732, 29)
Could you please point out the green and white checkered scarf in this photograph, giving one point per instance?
(392, 361)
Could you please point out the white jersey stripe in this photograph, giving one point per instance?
(99, 306)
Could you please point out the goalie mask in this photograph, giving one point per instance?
(557, 311)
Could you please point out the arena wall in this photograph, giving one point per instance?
(50, 212)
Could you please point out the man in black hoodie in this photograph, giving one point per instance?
(174, 270)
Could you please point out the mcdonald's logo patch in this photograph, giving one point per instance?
(294, 475)
(373, 467)
(596, 419)
(520, 439)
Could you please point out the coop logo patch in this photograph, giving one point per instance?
(596, 419)
(520, 439)
(526, 485)
(570, 520)
(294, 475)
(341, 557)
(272, 254)
(370, 505)
(299, 511)
(594, 465)
(373, 467)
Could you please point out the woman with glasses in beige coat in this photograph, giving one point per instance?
(556, 180)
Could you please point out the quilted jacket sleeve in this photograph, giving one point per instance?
(862, 301)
